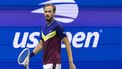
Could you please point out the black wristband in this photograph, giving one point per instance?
(32, 54)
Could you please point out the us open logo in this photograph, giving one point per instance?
(66, 10)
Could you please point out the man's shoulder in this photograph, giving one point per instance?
(57, 23)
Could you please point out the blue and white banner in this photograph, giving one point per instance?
(94, 29)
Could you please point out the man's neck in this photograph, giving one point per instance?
(49, 22)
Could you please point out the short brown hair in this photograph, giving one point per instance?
(54, 7)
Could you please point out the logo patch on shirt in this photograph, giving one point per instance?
(50, 30)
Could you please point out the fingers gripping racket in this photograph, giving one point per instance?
(23, 56)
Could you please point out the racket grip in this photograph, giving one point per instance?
(27, 67)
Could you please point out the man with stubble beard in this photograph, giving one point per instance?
(51, 36)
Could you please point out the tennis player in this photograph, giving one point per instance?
(51, 36)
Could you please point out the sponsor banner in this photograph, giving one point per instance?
(75, 16)
(93, 28)
(84, 18)
(91, 47)
(88, 43)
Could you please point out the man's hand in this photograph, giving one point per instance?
(26, 62)
(72, 65)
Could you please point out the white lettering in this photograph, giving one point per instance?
(78, 40)
(33, 39)
(22, 44)
(88, 39)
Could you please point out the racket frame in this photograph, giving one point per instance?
(21, 54)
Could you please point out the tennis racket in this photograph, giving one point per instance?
(23, 56)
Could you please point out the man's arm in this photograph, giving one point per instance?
(69, 52)
(39, 47)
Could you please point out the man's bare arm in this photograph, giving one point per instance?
(69, 52)
(68, 48)
(39, 47)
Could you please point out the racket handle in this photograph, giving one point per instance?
(27, 67)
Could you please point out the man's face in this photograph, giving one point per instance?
(49, 13)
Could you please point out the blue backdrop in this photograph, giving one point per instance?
(94, 35)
